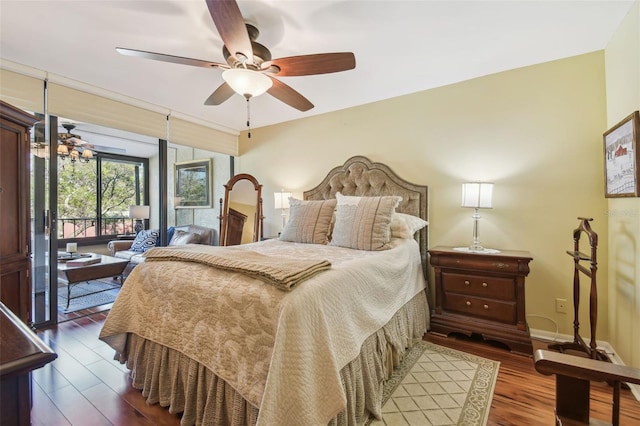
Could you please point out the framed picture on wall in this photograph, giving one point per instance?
(621, 158)
(193, 184)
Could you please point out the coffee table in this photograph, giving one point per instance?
(107, 267)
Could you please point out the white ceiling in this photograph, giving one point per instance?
(401, 47)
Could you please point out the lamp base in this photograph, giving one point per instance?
(479, 250)
(139, 226)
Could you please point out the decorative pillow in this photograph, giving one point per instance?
(406, 225)
(181, 237)
(145, 240)
(363, 223)
(309, 221)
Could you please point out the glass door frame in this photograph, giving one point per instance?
(44, 255)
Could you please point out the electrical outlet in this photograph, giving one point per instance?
(561, 306)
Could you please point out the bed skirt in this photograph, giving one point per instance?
(173, 380)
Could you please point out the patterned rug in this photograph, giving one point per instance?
(87, 295)
(435, 385)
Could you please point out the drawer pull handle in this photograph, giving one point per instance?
(484, 284)
(466, 282)
(486, 306)
(468, 303)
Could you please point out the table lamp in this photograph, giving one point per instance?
(477, 195)
(139, 213)
(281, 201)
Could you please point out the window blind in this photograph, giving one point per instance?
(22, 91)
(80, 105)
(195, 135)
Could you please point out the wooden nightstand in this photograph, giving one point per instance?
(483, 294)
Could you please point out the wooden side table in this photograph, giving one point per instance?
(478, 293)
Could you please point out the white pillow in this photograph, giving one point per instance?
(405, 225)
(363, 223)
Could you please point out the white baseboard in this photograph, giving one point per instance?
(606, 347)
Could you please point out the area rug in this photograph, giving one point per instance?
(87, 295)
(435, 385)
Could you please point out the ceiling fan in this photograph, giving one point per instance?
(72, 146)
(250, 70)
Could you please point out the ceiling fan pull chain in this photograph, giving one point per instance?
(249, 117)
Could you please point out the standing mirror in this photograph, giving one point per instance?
(241, 211)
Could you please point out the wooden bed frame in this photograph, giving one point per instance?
(360, 176)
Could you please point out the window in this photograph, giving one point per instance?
(86, 213)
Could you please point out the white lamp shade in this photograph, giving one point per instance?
(139, 212)
(246, 82)
(281, 200)
(477, 194)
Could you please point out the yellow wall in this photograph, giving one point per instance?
(536, 132)
(623, 96)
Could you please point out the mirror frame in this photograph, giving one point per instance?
(224, 208)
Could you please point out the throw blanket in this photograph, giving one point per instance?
(281, 272)
(282, 351)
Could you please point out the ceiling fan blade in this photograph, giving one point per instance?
(231, 27)
(76, 140)
(321, 63)
(169, 58)
(221, 94)
(289, 96)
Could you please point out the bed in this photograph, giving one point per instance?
(283, 331)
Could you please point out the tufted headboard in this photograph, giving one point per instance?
(360, 176)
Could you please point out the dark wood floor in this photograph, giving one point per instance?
(84, 386)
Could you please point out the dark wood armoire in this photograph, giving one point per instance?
(21, 351)
(15, 288)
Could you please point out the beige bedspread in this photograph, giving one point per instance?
(282, 351)
(282, 272)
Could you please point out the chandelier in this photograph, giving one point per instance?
(68, 144)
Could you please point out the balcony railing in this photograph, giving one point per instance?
(85, 227)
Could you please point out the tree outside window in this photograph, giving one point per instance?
(82, 212)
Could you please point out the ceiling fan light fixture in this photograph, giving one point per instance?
(87, 154)
(246, 82)
(63, 151)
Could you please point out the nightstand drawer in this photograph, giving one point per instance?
(485, 263)
(475, 285)
(484, 308)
